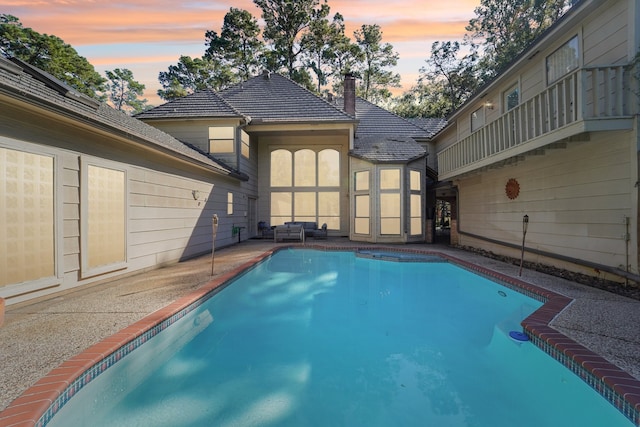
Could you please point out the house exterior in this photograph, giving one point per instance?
(345, 163)
(88, 193)
(554, 138)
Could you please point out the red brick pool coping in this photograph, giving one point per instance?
(39, 403)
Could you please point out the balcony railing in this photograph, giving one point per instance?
(561, 110)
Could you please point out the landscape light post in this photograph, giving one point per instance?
(525, 225)
(213, 240)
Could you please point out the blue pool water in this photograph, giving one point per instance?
(313, 338)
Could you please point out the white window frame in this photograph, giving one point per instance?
(85, 270)
(229, 203)
(11, 290)
(505, 97)
(552, 79)
(222, 134)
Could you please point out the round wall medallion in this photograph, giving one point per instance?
(512, 188)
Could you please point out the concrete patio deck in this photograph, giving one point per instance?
(39, 335)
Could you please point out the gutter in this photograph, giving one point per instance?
(608, 269)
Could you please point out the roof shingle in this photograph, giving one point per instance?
(387, 149)
(28, 82)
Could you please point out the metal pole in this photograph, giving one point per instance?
(213, 241)
(525, 224)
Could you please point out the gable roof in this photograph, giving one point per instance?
(272, 98)
(22, 81)
(267, 98)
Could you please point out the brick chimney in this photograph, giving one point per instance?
(350, 94)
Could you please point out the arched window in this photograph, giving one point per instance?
(281, 174)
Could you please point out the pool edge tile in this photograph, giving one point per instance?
(614, 384)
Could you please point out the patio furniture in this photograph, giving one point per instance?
(310, 227)
(289, 232)
(321, 233)
(265, 230)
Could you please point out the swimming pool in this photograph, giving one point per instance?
(330, 338)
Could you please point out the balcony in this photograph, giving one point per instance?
(586, 100)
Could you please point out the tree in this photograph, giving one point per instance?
(498, 34)
(193, 74)
(426, 99)
(50, 54)
(238, 45)
(501, 29)
(377, 56)
(323, 41)
(285, 23)
(123, 91)
(453, 76)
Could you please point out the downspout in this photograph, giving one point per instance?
(612, 270)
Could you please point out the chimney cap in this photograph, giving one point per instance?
(266, 74)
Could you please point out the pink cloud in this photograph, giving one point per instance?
(171, 28)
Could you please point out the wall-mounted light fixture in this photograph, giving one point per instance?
(488, 105)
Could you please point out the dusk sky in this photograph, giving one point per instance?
(146, 36)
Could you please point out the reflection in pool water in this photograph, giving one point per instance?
(313, 338)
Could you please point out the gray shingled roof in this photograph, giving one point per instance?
(21, 80)
(431, 125)
(204, 103)
(387, 149)
(267, 98)
(375, 120)
(272, 98)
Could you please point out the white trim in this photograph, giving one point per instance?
(85, 270)
(12, 290)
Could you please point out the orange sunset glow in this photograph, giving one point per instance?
(147, 36)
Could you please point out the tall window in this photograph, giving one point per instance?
(564, 60)
(246, 143)
(415, 203)
(104, 192)
(511, 98)
(305, 186)
(26, 217)
(222, 139)
(390, 201)
(229, 203)
(362, 203)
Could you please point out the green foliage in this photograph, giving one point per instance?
(299, 40)
(501, 29)
(123, 91)
(238, 45)
(495, 37)
(286, 22)
(375, 79)
(194, 74)
(50, 54)
(323, 42)
(449, 74)
(426, 99)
